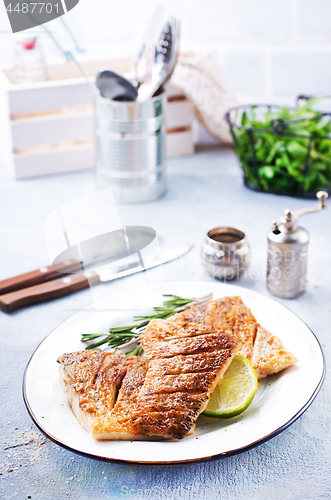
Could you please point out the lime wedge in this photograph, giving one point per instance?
(235, 391)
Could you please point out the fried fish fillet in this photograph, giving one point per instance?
(231, 311)
(266, 351)
(186, 362)
(91, 381)
(116, 396)
(269, 355)
(118, 423)
(228, 313)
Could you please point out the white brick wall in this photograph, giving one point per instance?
(271, 50)
(239, 21)
(246, 70)
(313, 21)
(306, 72)
(290, 56)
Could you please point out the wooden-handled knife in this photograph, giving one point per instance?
(40, 275)
(74, 282)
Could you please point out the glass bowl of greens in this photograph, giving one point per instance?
(283, 150)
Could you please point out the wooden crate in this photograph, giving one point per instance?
(47, 127)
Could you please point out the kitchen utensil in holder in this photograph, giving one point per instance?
(130, 148)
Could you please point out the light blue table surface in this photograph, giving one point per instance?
(204, 191)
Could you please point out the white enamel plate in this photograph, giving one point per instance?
(279, 401)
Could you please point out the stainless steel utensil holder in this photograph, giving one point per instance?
(130, 148)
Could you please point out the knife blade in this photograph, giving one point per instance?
(111, 247)
(105, 273)
(64, 286)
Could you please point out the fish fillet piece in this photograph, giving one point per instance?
(245, 328)
(118, 423)
(186, 362)
(231, 314)
(91, 380)
(228, 313)
(269, 355)
(166, 339)
(194, 314)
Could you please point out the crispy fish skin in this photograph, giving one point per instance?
(81, 367)
(165, 339)
(166, 425)
(222, 312)
(186, 362)
(118, 423)
(91, 380)
(217, 313)
(245, 328)
(269, 355)
(229, 314)
(189, 363)
(194, 314)
(266, 351)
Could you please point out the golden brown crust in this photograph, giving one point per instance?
(269, 355)
(163, 339)
(195, 314)
(168, 401)
(228, 314)
(169, 424)
(118, 423)
(94, 377)
(231, 312)
(82, 366)
(245, 327)
(232, 315)
(186, 363)
(91, 380)
(221, 312)
(190, 363)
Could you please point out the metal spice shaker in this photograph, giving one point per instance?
(288, 252)
(225, 253)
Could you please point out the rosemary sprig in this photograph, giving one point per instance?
(126, 335)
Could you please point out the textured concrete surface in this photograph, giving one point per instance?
(204, 191)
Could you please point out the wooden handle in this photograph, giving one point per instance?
(41, 275)
(47, 291)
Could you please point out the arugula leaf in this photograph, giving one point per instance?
(284, 150)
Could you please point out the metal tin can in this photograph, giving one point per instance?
(130, 148)
(225, 253)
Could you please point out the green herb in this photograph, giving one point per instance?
(284, 150)
(126, 335)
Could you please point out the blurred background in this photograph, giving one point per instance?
(270, 50)
(261, 52)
